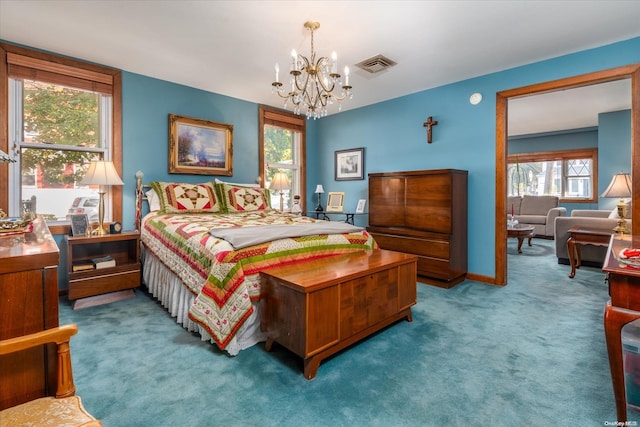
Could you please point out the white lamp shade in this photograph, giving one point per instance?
(280, 182)
(319, 189)
(620, 186)
(101, 173)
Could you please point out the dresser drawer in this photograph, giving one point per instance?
(419, 246)
(102, 284)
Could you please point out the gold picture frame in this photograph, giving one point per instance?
(335, 201)
(200, 147)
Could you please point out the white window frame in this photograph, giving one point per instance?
(20, 62)
(16, 124)
(296, 124)
(563, 157)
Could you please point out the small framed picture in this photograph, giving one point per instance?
(335, 202)
(79, 225)
(361, 205)
(349, 164)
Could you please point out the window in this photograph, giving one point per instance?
(282, 147)
(570, 175)
(62, 114)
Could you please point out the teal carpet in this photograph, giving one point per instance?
(528, 354)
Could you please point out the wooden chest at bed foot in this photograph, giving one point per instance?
(321, 307)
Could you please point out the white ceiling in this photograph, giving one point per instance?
(230, 47)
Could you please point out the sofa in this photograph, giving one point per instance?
(539, 211)
(593, 219)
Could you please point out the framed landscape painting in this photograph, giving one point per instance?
(349, 164)
(200, 147)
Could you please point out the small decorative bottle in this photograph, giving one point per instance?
(296, 209)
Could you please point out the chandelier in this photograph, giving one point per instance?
(312, 83)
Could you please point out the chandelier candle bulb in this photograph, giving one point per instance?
(334, 60)
(346, 76)
(294, 56)
(277, 69)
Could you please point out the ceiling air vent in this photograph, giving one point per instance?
(376, 64)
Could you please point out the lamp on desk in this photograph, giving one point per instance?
(102, 173)
(620, 188)
(280, 182)
(319, 191)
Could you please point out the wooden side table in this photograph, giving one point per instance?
(118, 281)
(521, 232)
(622, 308)
(350, 216)
(583, 236)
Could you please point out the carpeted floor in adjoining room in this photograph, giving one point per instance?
(528, 354)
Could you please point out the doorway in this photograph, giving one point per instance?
(502, 98)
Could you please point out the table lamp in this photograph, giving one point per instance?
(319, 191)
(620, 188)
(280, 182)
(101, 173)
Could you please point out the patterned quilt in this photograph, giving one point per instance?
(218, 275)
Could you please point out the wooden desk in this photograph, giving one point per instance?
(622, 308)
(583, 236)
(29, 303)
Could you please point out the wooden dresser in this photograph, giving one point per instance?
(28, 303)
(423, 213)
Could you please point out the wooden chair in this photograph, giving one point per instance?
(63, 409)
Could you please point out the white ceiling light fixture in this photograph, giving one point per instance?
(312, 83)
(475, 98)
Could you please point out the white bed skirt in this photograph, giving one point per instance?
(176, 298)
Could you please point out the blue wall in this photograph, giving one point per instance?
(146, 105)
(614, 150)
(465, 137)
(554, 141)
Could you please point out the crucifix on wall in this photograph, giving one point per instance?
(429, 124)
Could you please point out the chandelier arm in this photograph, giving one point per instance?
(321, 80)
(321, 96)
(298, 76)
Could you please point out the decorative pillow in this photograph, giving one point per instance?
(236, 198)
(153, 200)
(178, 197)
(613, 214)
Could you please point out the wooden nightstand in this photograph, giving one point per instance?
(100, 286)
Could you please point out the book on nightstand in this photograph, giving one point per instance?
(104, 262)
(82, 265)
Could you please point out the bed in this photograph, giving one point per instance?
(204, 245)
